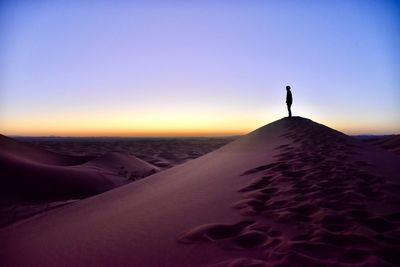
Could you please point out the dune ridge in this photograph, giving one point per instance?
(291, 193)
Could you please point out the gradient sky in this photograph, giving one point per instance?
(137, 68)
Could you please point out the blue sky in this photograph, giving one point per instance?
(197, 67)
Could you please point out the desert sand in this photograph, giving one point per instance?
(291, 193)
(390, 143)
(161, 152)
(34, 180)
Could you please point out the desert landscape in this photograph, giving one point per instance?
(45, 173)
(154, 133)
(291, 193)
(161, 152)
(390, 143)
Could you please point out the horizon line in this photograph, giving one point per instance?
(165, 136)
(122, 136)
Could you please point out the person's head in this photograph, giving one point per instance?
(288, 88)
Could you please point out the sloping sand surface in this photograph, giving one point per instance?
(292, 193)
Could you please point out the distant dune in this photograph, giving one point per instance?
(161, 152)
(32, 176)
(292, 193)
(390, 143)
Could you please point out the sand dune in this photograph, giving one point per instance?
(390, 143)
(33, 179)
(11, 148)
(292, 193)
(161, 152)
(124, 165)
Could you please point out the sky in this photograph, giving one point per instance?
(197, 68)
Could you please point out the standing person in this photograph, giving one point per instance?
(289, 100)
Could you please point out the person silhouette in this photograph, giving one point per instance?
(289, 100)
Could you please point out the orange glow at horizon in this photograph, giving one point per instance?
(150, 125)
(183, 125)
(178, 122)
(194, 132)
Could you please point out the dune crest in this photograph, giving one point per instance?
(291, 193)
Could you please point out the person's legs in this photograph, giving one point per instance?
(290, 111)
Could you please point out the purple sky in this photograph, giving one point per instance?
(197, 67)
